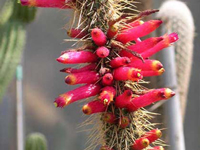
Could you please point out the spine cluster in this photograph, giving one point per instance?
(116, 62)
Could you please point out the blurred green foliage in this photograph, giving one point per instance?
(13, 21)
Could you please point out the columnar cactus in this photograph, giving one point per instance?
(116, 61)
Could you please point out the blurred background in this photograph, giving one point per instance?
(42, 82)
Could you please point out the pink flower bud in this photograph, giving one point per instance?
(107, 95)
(153, 135)
(124, 122)
(119, 61)
(141, 46)
(107, 79)
(109, 118)
(127, 73)
(102, 52)
(76, 33)
(76, 57)
(112, 31)
(98, 37)
(46, 3)
(89, 67)
(122, 100)
(140, 144)
(157, 148)
(82, 77)
(82, 92)
(148, 65)
(153, 73)
(149, 98)
(93, 107)
(138, 31)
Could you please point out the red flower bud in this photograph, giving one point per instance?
(77, 57)
(127, 73)
(112, 31)
(98, 37)
(140, 144)
(107, 79)
(141, 46)
(102, 52)
(79, 93)
(89, 67)
(46, 3)
(149, 98)
(76, 33)
(82, 77)
(107, 95)
(93, 107)
(119, 61)
(109, 118)
(153, 135)
(138, 31)
(148, 65)
(122, 100)
(124, 122)
(153, 73)
(157, 148)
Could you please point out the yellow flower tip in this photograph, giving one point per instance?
(161, 71)
(169, 93)
(69, 33)
(141, 22)
(114, 28)
(105, 101)
(138, 75)
(145, 142)
(55, 104)
(70, 79)
(158, 133)
(86, 109)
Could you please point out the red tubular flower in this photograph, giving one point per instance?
(82, 92)
(75, 57)
(138, 31)
(124, 122)
(149, 98)
(140, 144)
(46, 3)
(168, 39)
(148, 65)
(105, 148)
(153, 135)
(153, 73)
(89, 67)
(112, 31)
(98, 37)
(122, 100)
(93, 107)
(107, 79)
(109, 118)
(76, 33)
(107, 95)
(127, 73)
(141, 46)
(157, 148)
(82, 77)
(119, 61)
(102, 52)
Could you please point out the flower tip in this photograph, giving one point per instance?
(55, 104)
(60, 59)
(173, 37)
(24, 2)
(70, 79)
(66, 70)
(86, 109)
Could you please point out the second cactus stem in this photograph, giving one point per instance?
(116, 62)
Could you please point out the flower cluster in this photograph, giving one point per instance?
(116, 61)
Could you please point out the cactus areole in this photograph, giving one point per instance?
(115, 61)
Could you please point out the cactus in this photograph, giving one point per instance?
(13, 20)
(36, 141)
(110, 33)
